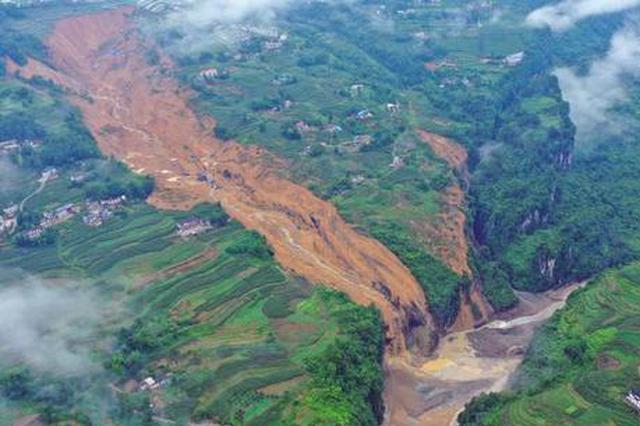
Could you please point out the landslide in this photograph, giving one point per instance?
(451, 230)
(139, 115)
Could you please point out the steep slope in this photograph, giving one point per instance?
(139, 115)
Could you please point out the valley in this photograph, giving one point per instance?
(324, 213)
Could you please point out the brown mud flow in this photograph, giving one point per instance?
(139, 115)
(467, 363)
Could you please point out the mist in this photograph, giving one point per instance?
(564, 15)
(593, 96)
(47, 327)
(201, 13)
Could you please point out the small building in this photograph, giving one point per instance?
(210, 74)
(149, 384)
(514, 59)
(364, 114)
(362, 140)
(34, 233)
(397, 162)
(393, 107)
(11, 211)
(303, 127)
(633, 399)
(48, 175)
(332, 129)
(193, 226)
(356, 89)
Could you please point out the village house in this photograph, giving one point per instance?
(303, 127)
(9, 220)
(364, 114)
(357, 180)
(13, 145)
(7, 147)
(514, 60)
(98, 212)
(397, 162)
(59, 215)
(49, 175)
(34, 233)
(633, 399)
(193, 226)
(393, 107)
(356, 89)
(210, 74)
(7, 225)
(332, 129)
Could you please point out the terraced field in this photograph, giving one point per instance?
(583, 362)
(214, 315)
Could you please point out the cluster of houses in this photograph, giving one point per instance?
(14, 145)
(193, 226)
(98, 212)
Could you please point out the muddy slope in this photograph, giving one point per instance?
(451, 231)
(138, 114)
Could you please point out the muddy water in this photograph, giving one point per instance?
(466, 364)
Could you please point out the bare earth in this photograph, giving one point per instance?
(139, 115)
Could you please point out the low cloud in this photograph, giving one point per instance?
(593, 95)
(205, 12)
(564, 15)
(48, 328)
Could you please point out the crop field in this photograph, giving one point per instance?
(213, 315)
(583, 362)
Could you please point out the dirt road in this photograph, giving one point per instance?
(139, 115)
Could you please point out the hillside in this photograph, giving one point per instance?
(332, 213)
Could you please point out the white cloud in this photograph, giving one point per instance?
(592, 96)
(205, 12)
(48, 328)
(564, 15)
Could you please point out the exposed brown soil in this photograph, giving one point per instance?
(608, 362)
(451, 244)
(448, 231)
(139, 115)
(450, 151)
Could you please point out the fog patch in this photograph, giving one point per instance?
(47, 327)
(564, 15)
(593, 96)
(201, 13)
